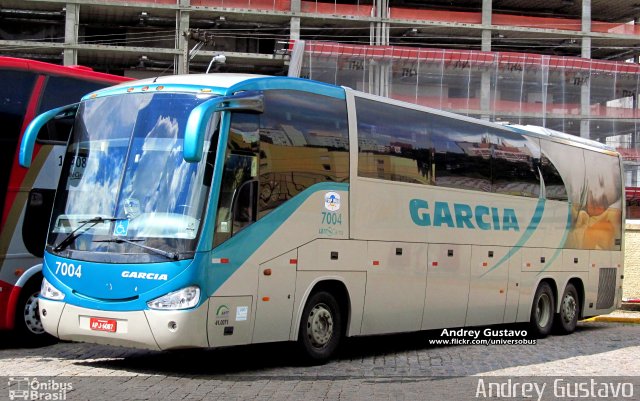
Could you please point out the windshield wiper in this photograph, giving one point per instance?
(75, 234)
(168, 255)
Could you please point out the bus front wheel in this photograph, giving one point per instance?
(28, 327)
(542, 311)
(320, 327)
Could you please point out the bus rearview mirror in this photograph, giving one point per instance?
(31, 133)
(199, 118)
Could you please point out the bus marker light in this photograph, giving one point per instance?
(145, 88)
(159, 88)
(484, 264)
(593, 265)
(528, 264)
(501, 291)
(376, 263)
(267, 272)
(18, 272)
(434, 264)
(205, 90)
(130, 89)
(266, 299)
(220, 260)
(293, 261)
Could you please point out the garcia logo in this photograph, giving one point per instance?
(332, 201)
(148, 276)
(463, 216)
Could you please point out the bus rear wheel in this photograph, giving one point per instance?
(320, 327)
(567, 319)
(542, 311)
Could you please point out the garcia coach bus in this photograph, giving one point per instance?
(224, 209)
(26, 196)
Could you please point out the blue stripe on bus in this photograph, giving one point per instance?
(241, 246)
(284, 83)
(258, 83)
(531, 228)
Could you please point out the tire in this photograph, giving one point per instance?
(542, 311)
(28, 327)
(320, 328)
(567, 319)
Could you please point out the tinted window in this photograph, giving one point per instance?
(60, 91)
(462, 154)
(15, 92)
(554, 185)
(393, 142)
(304, 139)
(300, 139)
(515, 164)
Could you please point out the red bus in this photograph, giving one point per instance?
(29, 88)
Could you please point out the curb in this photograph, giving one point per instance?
(613, 319)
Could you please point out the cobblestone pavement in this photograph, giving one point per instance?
(402, 367)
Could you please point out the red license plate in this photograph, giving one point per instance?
(99, 324)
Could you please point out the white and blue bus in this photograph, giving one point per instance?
(225, 209)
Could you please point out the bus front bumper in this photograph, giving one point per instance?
(150, 329)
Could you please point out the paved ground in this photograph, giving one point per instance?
(403, 367)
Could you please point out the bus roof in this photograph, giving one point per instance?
(229, 83)
(547, 132)
(75, 71)
(221, 84)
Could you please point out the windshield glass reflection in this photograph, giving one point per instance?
(125, 164)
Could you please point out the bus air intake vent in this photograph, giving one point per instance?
(606, 288)
(128, 299)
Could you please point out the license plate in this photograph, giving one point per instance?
(99, 324)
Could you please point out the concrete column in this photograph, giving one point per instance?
(182, 42)
(72, 20)
(585, 89)
(487, 10)
(586, 28)
(485, 78)
(294, 30)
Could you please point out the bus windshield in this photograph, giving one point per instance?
(124, 181)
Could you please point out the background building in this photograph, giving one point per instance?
(569, 65)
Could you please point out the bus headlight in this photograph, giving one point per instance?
(49, 291)
(185, 298)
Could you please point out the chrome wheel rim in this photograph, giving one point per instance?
(320, 325)
(32, 315)
(569, 308)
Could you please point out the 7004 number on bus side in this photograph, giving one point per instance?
(331, 218)
(68, 269)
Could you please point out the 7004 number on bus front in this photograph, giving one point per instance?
(68, 269)
(331, 218)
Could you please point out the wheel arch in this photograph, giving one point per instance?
(334, 285)
(554, 288)
(32, 273)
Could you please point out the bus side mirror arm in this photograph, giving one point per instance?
(31, 133)
(200, 116)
